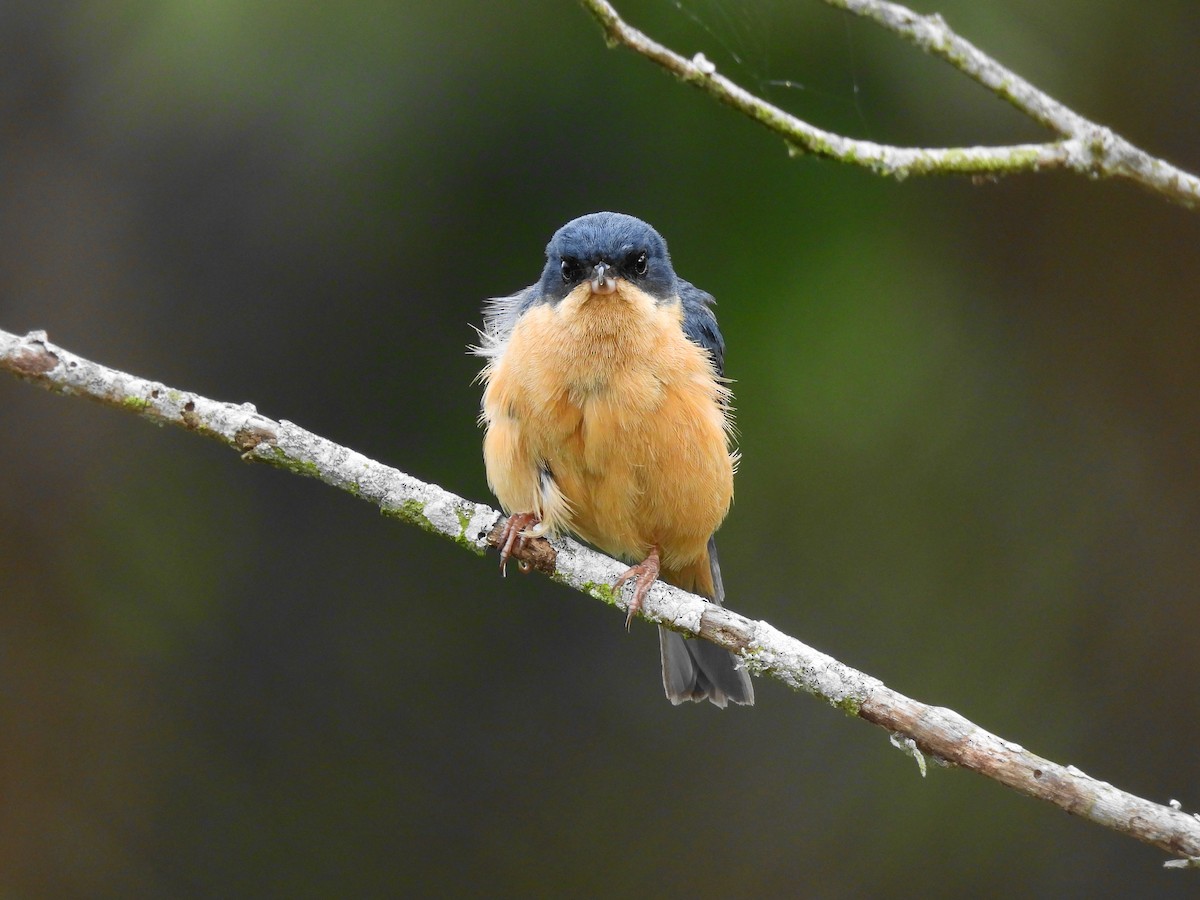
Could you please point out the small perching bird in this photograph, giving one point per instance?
(607, 416)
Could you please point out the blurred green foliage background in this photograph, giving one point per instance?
(968, 416)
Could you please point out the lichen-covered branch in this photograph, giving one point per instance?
(915, 727)
(1081, 146)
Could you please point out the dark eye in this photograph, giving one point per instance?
(570, 270)
(639, 263)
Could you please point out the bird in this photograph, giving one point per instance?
(608, 416)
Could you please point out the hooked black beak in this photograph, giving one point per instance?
(603, 281)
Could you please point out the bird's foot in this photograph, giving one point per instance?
(512, 539)
(645, 574)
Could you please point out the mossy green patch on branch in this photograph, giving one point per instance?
(280, 458)
(463, 538)
(411, 511)
(850, 706)
(597, 589)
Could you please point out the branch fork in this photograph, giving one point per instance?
(1080, 145)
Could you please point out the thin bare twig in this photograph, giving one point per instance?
(1082, 146)
(915, 727)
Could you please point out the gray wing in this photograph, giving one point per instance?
(700, 324)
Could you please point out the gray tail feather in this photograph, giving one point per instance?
(697, 670)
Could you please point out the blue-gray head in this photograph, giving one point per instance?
(602, 246)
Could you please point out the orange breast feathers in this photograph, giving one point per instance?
(605, 420)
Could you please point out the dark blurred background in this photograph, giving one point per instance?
(968, 415)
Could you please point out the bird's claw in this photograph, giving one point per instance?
(644, 574)
(512, 537)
